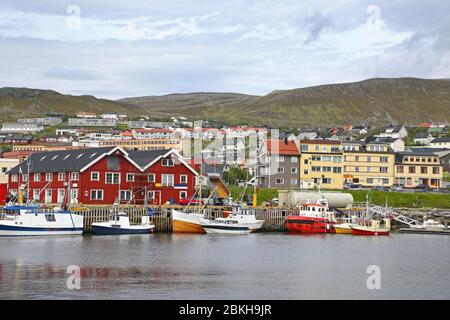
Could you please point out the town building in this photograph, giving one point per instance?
(440, 143)
(148, 124)
(143, 144)
(369, 164)
(423, 138)
(394, 132)
(7, 164)
(18, 127)
(86, 115)
(321, 164)
(45, 121)
(279, 165)
(92, 122)
(99, 176)
(42, 147)
(418, 168)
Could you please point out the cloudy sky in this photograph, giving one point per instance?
(115, 49)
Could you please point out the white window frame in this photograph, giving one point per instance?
(24, 177)
(130, 175)
(97, 192)
(165, 182)
(14, 177)
(153, 179)
(294, 160)
(36, 193)
(183, 177)
(294, 183)
(280, 170)
(60, 195)
(294, 170)
(38, 175)
(49, 176)
(92, 176)
(167, 163)
(113, 176)
(281, 181)
(61, 175)
(74, 176)
(128, 195)
(183, 193)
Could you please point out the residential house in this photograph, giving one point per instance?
(440, 143)
(279, 165)
(396, 144)
(369, 164)
(86, 115)
(7, 164)
(45, 121)
(416, 168)
(394, 132)
(143, 144)
(423, 138)
(321, 164)
(101, 175)
(308, 135)
(442, 153)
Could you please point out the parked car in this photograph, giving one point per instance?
(422, 188)
(397, 188)
(378, 188)
(353, 186)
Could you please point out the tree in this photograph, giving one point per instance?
(234, 174)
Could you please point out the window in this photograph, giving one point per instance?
(151, 195)
(280, 170)
(279, 181)
(294, 159)
(24, 177)
(423, 170)
(294, 182)
(112, 178)
(167, 180)
(183, 178)
(400, 169)
(125, 195)
(369, 159)
(61, 176)
(383, 159)
(183, 194)
(412, 169)
(435, 170)
(369, 180)
(293, 170)
(383, 169)
(326, 180)
(96, 194)
(315, 169)
(36, 194)
(356, 169)
(50, 217)
(14, 177)
(385, 181)
(130, 177)
(305, 161)
(279, 158)
(305, 171)
(337, 169)
(66, 157)
(37, 177)
(151, 177)
(74, 176)
(95, 176)
(80, 155)
(167, 163)
(49, 177)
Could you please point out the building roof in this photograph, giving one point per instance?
(392, 129)
(320, 141)
(441, 140)
(435, 129)
(143, 158)
(61, 161)
(282, 147)
(422, 135)
(425, 125)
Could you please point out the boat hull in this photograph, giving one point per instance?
(424, 231)
(186, 222)
(226, 230)
(108, 230)
(342, 230)
(8, 231)
(299, 224)
(369, 232)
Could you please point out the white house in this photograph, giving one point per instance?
(441, 143)
(17, 127)
(394, 132)
(423, 138)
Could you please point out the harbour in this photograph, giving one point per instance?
(182, 266)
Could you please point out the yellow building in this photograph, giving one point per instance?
(5, 165)
(369, 165)
(42, 147)
(321, 164)
(144, 144)
(413, 169)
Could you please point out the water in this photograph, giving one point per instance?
(257, 266)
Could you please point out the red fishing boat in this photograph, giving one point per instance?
(374, 228)
(313, 217)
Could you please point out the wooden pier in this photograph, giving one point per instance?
(162, 217)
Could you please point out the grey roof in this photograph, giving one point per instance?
(444, 139)
(60, 161)
(143, 158)
(422, 135)
(395, 129)
(430, 151)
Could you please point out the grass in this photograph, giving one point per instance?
(446, 176)
(393, 199)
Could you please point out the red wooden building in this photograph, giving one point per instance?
(101, 175)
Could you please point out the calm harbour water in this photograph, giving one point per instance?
(257, 266)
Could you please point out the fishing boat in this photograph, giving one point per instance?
(240, 221)
(41, 222)
(344, 226)
(429, 226)
(312, 217)
(120, 224)
(372, 228)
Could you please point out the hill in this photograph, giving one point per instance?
(23, 102)
(374, 101)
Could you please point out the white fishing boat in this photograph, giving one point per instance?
(41, 222)
(240, 221)
(120, 224)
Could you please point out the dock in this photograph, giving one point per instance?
(162, 217)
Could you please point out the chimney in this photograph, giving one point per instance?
(286, 140)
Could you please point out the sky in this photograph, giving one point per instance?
(116, 49)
